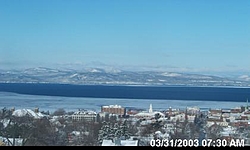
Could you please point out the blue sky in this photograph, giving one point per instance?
(187, 35)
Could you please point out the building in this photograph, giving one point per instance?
(114, 109)
(84, 115)
(150, 114)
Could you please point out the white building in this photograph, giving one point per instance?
(149, 114)
(84, 115)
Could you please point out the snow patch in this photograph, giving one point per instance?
(169, 74)
(245, 77)
(29, 112)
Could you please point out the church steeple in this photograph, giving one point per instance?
(150, 108)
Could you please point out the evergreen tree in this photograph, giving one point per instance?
(111, 131)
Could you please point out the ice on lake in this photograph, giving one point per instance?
(52, 103)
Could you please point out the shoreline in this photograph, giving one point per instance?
(52, 103)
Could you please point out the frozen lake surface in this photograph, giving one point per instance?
(52, 103)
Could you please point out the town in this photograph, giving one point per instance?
(116, 125)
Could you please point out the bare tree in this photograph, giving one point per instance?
(59, 112)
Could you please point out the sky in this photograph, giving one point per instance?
(179, 35)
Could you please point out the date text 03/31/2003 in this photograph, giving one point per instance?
(197, 142)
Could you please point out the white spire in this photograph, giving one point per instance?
(150, 108)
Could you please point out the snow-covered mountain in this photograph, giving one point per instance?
(111, 76)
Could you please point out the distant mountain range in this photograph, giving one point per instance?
(99, 76)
